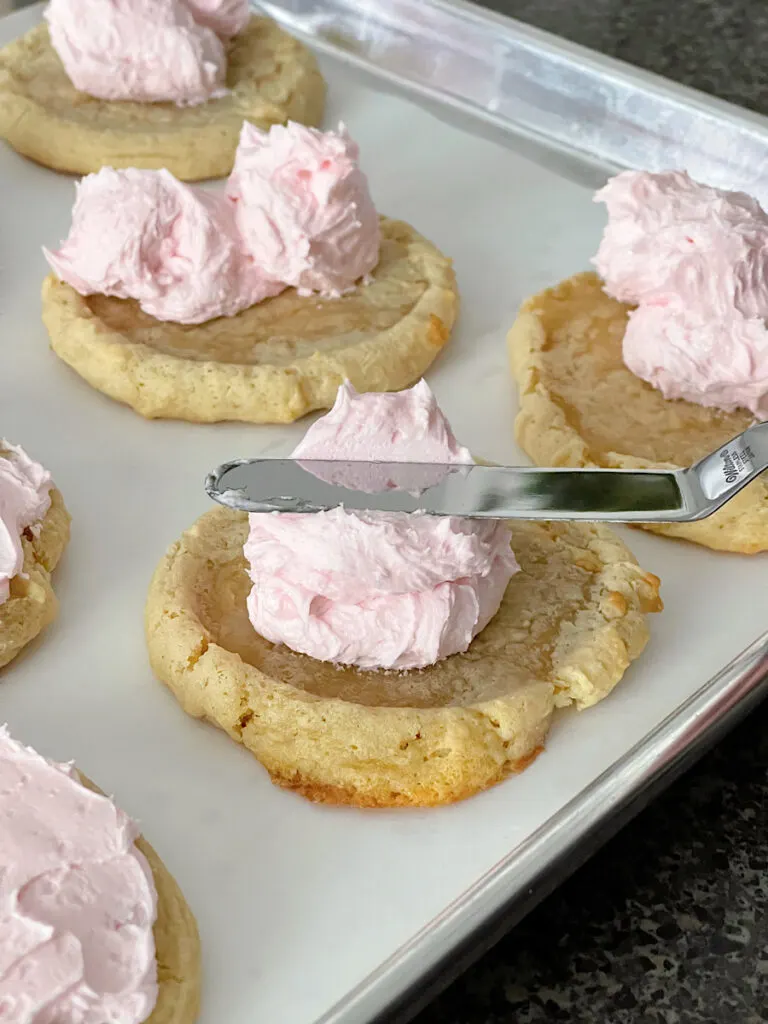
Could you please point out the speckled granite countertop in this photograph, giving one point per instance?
(668, 924)
(714, 45)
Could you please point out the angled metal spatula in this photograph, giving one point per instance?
(495, 492)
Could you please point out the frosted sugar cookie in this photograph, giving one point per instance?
(35, 531)
(383, 659)
(662, 359)
(254, 304)
(92, 925)
(151, 84)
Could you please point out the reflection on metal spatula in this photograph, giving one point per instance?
(496, 492)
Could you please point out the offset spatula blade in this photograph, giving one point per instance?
(485, 492)
(496, 492)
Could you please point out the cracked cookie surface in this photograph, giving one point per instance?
(271, 78)
(569, 625)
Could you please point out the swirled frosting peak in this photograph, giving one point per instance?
(225, 17)
(667, 234)
(145, 50)
(303, 207)
(77, 900)
(375, 589)
(144, 235)
(721, 363)
(694, 259)
(24, 500)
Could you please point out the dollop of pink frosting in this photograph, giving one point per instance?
(375, 589)
(712, 362)
(175, 249)
(694, 259)
(77, 900)
(669, 235)
(24, 500)
(304, 208)
(145, 50)
(226, 18)
(188, 255)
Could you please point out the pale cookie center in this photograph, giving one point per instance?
(612, 409)
(283, 329)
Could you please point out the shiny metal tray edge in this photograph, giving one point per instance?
(416, 972)
(528, 81)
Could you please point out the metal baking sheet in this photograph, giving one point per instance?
(318, 915)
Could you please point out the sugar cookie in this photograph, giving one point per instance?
(277, 360)
(581, 406)
(271, 77)
(569, 625)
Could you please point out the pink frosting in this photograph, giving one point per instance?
(303, 207)
(225, 17)
(24, 500)
(695, 261)
(685, 353)
(298, 213)
(667, 234)
(374, 589)
(175, 249)
(77, 900)
(145, 50)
